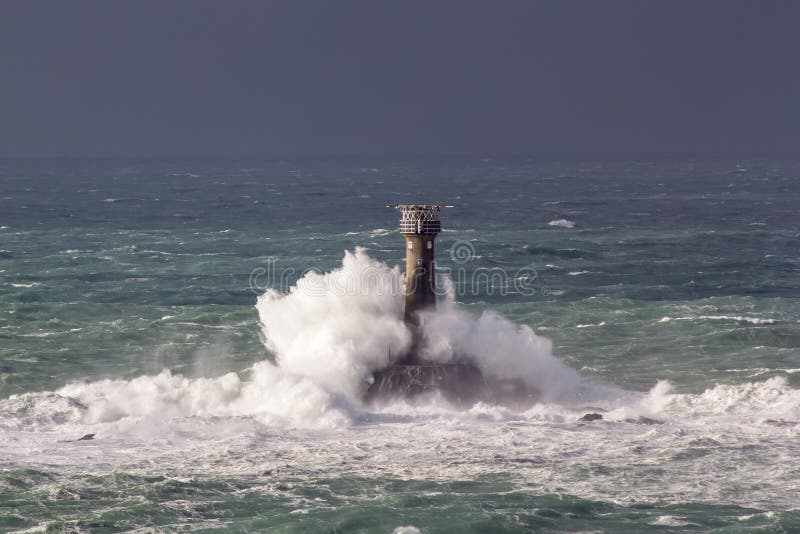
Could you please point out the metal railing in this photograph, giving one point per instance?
(419, 218)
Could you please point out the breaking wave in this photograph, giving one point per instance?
(329, 333)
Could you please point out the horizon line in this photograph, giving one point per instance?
(488, 154)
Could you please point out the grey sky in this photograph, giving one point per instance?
(378, 77)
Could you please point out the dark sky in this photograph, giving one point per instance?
(300, 77)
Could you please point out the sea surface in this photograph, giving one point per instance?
(154, 303)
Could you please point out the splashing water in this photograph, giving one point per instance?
(328, 335)
(338, 327)
(330, 332)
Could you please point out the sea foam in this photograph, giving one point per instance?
(331, 331)
(328, 334)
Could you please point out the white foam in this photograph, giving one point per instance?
(563, 223)
(303, 417)
(340, 326)
(770, 399)
(670, 521)
(738, 318)
(251, 425)
(329, 334)
(500, 348)
(270, 396)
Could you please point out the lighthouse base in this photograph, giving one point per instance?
(461, 384)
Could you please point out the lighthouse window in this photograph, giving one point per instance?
(410, 244)
(430, 245)
(419, 262)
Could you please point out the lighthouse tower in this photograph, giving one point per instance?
(410, 375)
(458, 380)
(419, 224)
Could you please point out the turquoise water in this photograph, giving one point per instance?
(128, 292)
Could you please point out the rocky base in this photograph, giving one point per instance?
(461, 384)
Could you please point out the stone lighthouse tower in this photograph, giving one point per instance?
(458, 380)
(419, 224)
(410, 375)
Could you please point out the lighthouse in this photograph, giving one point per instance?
(419, 226)
(410, 375)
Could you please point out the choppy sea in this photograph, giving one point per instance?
(194, 315)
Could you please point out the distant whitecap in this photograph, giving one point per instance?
(562, 223)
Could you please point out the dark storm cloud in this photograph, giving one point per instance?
(303, 77)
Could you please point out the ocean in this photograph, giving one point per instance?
(213, 324)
